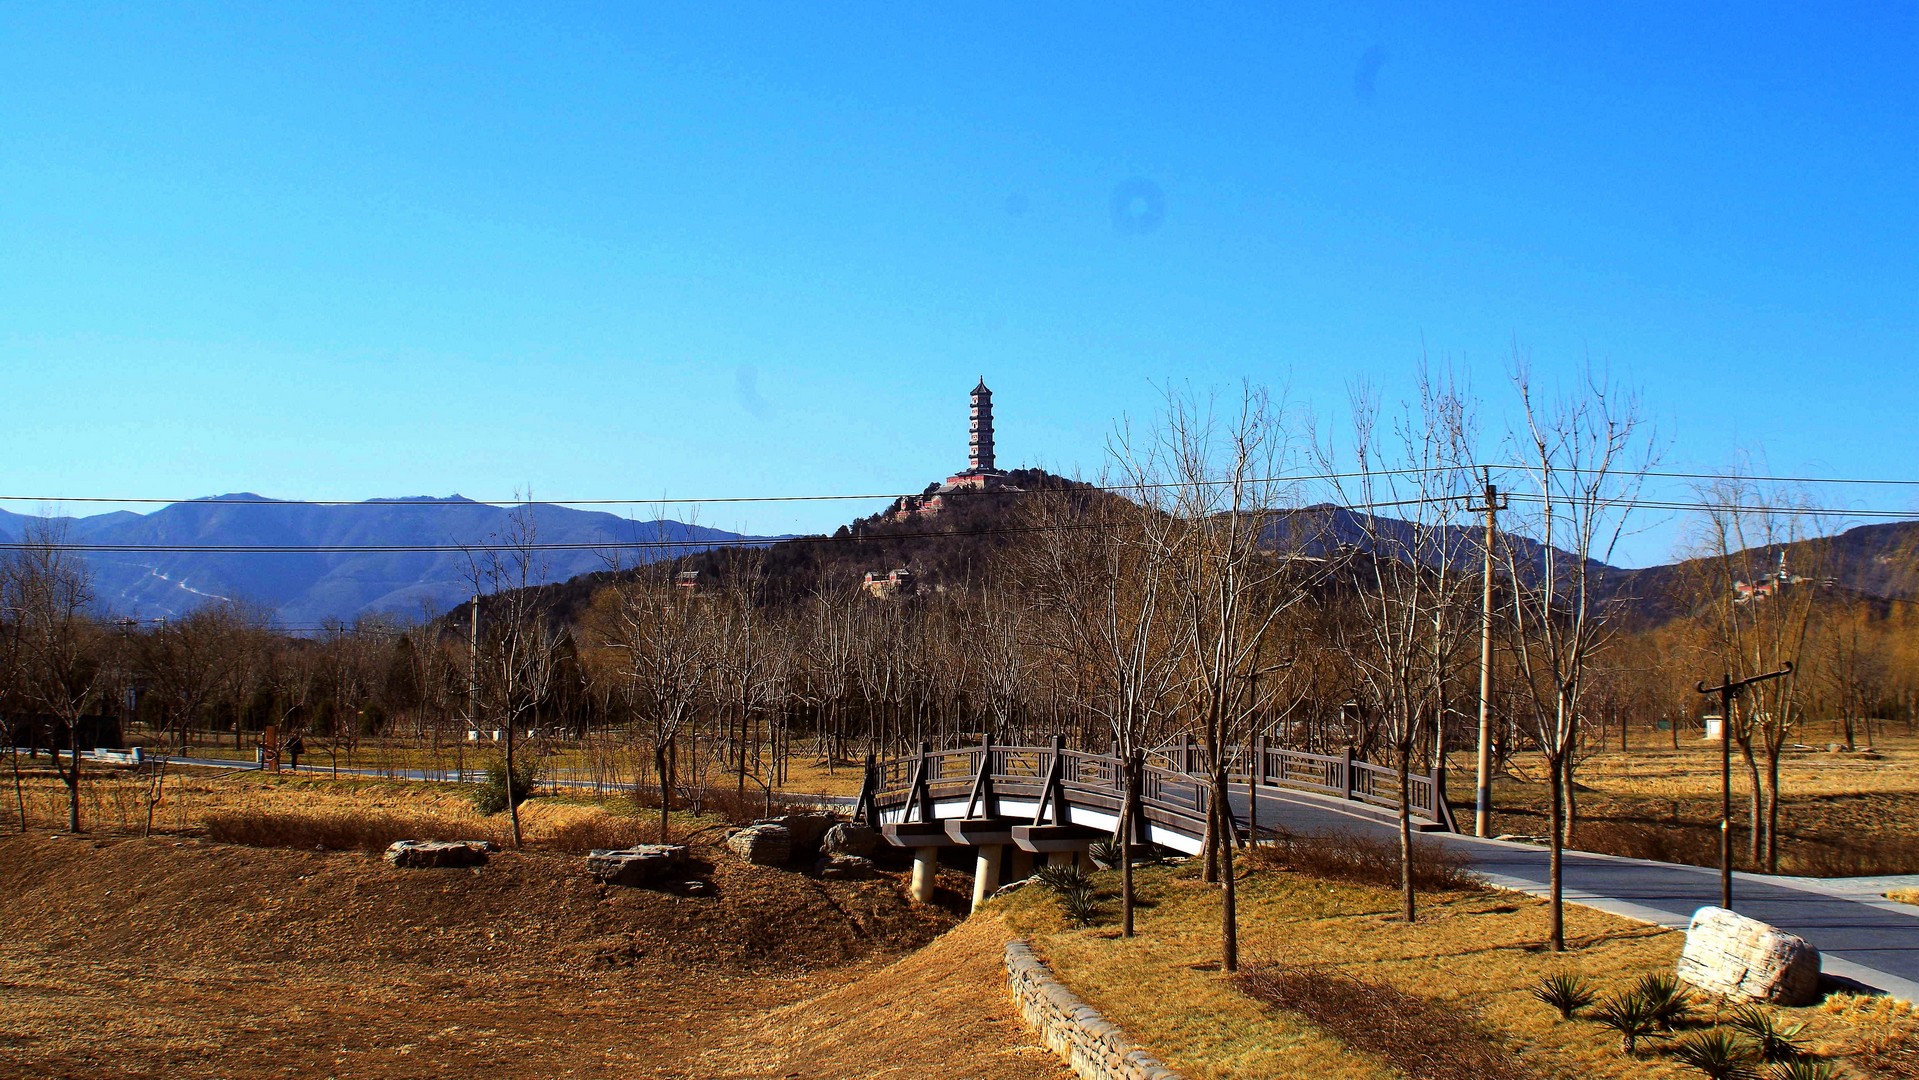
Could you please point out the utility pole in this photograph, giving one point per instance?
(473, 667)
(1727, 691)
(1483, 794)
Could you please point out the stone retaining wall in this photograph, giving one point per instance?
(1096, 1049)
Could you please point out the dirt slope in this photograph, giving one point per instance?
(187, 959)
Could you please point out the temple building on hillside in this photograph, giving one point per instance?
(980, 475)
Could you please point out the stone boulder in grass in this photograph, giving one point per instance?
(427, 854)
(762, 845)
(850, 838)
(642, 864)
(1728, 953)
(807, 830)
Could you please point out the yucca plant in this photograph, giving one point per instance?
(1565, 991)
(1081, 904)
(1772, 1041)
(1805, 1068)
(1718, 1053)
(1631, 1016)
(1104, 853)
(1062, 879)
(1670, 1004)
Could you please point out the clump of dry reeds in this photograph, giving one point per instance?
(336, 830)
(1367, 860)
(1414, 1035)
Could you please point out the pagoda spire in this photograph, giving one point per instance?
(980, 444)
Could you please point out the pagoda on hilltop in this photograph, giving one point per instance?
(980, 475)
(979, 445)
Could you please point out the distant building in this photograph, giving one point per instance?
(980, 474)
(889, 585)
(688, 579)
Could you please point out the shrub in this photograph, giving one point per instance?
(1063, 879)
(1414, 1035)
(489, 795)
(1770, 1041)
(1717, 1053)
(1805, 1069)
(1081, 904)
(1566, 992)
(1629, 1014)
(1368, 860)
(1670, 1003)
(1104, 853)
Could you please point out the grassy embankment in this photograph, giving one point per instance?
(1475, 953)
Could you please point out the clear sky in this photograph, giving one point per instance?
(337, 251)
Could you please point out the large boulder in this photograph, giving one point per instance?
(843, 868)
(643, 864)
(850, 838)
(762, 845)
(417, 854)
(1728, 953)
(807, 829)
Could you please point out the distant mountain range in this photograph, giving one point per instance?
(305, 589)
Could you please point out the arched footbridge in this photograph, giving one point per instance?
(1015, 803)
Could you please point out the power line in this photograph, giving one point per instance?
(1292, 478)
(606, 545)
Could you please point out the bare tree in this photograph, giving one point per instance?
(49, 588)
(1220, 483)
(1408, 574)
(1584, 455)
(1762, 569)
(518, 643)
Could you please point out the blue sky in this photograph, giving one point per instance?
(335, 251)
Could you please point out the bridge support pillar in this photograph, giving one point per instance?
(1017, 864)
(986, 867)
(926, 868)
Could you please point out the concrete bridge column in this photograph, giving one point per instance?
(986, 872)
(926, 868)
(1018, 864)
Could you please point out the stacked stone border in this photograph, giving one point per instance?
(1095, 1048)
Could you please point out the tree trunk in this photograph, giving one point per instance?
(1555, 902)
(1209, 844)
(1229, 906)
(666, 788)
(1756, 841)
(512, 803)
(1407, 909)
(1127, 815)
(1772, 810)
(19, 792)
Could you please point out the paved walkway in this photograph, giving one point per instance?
(1862, 936)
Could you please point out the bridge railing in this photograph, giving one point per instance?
(1172, 780)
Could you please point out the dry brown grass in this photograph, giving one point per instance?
(1904, 896)
(1472, 951)
(1414, 1035)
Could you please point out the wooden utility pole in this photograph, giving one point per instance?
(1483, 793)
(1727, 691)
(473, 668)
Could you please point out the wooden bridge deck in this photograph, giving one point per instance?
(1048, 799)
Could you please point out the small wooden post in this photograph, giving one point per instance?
(1346, 771)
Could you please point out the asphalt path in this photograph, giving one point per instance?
(1862, 937)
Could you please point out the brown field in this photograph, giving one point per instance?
(1841, 814)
